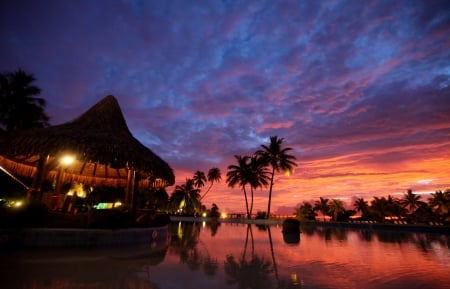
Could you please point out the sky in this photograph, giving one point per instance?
(360, 90)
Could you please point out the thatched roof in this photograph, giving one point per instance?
(100, 140)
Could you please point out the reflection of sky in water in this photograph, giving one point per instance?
(197, 258)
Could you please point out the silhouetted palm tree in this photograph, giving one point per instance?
(249, 171)
(19, 106)
(361, 206)
(336, 208)
(279, 159)
(258, 176)
(214, 175)
(440, 202)
(322, 206)
(411, 201)
(186, 197)
(199, 179)
(306, 212)
(238, 175)
(379, 208)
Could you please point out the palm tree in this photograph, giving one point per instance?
(258, 175)
(214, 175)
(305, 212)
(249, 171)
(19, 106)
(237, 175)
(361, 206)
(199, 179)
(186, 197)
(379, 208)
(440, 202)
(322, 206)
(336, 208)
(412, 202)
(279, 159)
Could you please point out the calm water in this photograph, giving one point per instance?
(242, 256)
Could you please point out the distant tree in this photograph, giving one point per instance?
(336, 208)
(214, 175)
(306, 212)
(361, 206)
(214, 211)
(440, 202)
(279, 159)
(20, 108)
(322, 206)
(411, 201)
(379, 208)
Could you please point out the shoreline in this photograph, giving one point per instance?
(412, 228)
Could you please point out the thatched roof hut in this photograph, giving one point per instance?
(106, 152)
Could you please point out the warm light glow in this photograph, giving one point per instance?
(223, 215)
(117, 204)
(17, 204)
(67, 160)
(204, 214)
(78, 189)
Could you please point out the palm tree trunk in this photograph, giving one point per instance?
(251, 204)
(210, 186)
(246, 202)
(270, 193)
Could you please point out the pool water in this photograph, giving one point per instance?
(225, 255)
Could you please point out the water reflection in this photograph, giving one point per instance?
(214, 255)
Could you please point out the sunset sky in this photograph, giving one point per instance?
(359, 89)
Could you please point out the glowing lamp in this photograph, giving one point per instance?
(67, 160)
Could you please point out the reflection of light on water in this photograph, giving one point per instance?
(441, 253)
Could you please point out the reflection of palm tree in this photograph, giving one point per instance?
(279, 159)
(214, 175)
(185, 242)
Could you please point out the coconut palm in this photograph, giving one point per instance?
(249, 171)
(238, 175)
(279, 159)
(258, 176)
(186, 197)
(412, 202)
(305, 212)
(214, 175)
(322, 206)
(440, 202)
(361, 206)
(379, 208)
(199, 179)
(336, 208)
(19, 106)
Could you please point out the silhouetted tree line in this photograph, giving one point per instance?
(410, 208)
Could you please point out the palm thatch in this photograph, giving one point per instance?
(104, 149)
